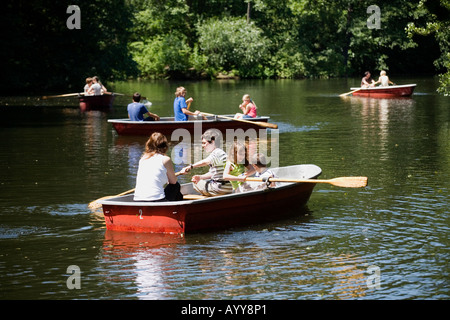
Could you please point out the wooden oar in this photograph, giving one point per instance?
(258, 123)
(63, 95)
(78, 94)
(345, 182)
(345, 94)
(95, 205)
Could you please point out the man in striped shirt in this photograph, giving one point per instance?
(211, 183)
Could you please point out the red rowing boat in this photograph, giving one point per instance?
(166, 125)
(103, 102)
(405, 90)
(206, 214)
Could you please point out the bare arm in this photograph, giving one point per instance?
(170, 171)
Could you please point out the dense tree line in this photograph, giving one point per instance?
(40, 54)
(211, 38)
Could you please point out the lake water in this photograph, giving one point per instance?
(387, 241)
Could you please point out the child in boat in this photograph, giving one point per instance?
(259, 163)
(248, 108)
(383, 80)
(212, 182)
(238, 166)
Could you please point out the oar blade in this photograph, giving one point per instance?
(349, 182)
(266, 124)
(94, 205)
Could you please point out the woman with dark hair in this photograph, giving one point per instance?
(155, 171)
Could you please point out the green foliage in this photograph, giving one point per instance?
(434, 18)
(41, 54)
(204, 38)
(161, 55)
(231, 43)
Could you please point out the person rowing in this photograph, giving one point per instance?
(367, 81)
(180, 107)
(212, 182)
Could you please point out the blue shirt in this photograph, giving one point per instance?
(178, 104)
(136, 111)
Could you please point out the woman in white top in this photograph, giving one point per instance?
(155, 171)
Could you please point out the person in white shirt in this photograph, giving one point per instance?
(155, 171)
(96, 88)
(88, 85)
(259, 163)
(383, 80)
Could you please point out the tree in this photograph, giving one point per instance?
(233, 44)
(35, 40)
(435, 19)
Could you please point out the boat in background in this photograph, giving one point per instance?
(212, 213)
(166, 125)
(103, 102)
(405, 90)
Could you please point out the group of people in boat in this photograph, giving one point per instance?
(137, 111)
(368, 82)
(156, 179)
(94, 87)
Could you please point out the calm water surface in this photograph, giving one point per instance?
(387, 241)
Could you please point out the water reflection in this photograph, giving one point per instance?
(146, 257)
(253, 264)
(379, 116)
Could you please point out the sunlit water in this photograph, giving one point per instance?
(387, 241)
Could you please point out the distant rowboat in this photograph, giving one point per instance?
(166, 125)
(385, 92)
(103, 102)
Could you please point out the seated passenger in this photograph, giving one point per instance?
(238, 166)
(383, 80)
(88, 85)
(155, 171)
(259, 163)
(138, 112)
(248, 108)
